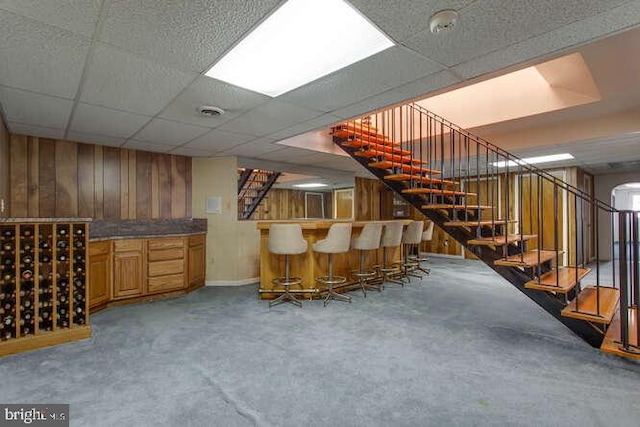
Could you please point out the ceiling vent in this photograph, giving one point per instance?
(209, 111)
(443, 21)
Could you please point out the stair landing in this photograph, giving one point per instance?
(588, 307)
(560, 281)
(612, 344)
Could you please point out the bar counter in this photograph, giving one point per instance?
(310, 264)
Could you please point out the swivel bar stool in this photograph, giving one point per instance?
(286, 239)
(411, 238)
(337, 241)
(427, 235)
(391, 238)
(368, 240)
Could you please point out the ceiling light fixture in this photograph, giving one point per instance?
(534, 160)
(310, 185)
(300, 42)
(443, 21)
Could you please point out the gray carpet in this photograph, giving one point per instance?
(461, 347)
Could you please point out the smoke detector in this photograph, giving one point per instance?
(443, 21)
(209, 111)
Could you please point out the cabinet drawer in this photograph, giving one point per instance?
(164, 268)
(127, 245)
(165, 243)
(166, 283)
(166, 254)
(99, 248)
(196, 240)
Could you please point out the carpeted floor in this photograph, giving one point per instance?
(461, 347)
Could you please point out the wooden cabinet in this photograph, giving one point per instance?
(128, 268)
(99, 273)
(166, 266)
(196, 260)
(141, 269)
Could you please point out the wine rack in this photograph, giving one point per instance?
(43, 284)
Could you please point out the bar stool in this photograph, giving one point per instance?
(337, 241)
(391, 238)
(286, 239)
(411, 237)
(427, 235)
(368, 240)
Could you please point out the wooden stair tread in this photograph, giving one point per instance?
(424, 179)
(586, 302)
(560, 281)
(528, 259)
(437, 191)
(611, 343)
(348, 129)
(358, 143)
(450, 206)
(385, 164)
(388, 156)
(477, 223)
(501, 240)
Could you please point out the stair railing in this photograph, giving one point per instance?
(443, 163)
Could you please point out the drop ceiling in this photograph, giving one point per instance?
(130, 73)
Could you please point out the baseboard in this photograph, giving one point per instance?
(250, 281)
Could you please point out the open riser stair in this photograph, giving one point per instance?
(532, 227)
(253, 186)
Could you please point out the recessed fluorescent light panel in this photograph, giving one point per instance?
(300, 42)
(534, 160)
(310, 185)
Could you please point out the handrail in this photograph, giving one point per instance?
(519, 161)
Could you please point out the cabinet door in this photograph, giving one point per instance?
(99, 279)
(129, 277)
(196, 265)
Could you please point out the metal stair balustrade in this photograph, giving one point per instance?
(530, 226)
(253, 186)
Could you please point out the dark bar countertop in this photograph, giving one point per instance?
(131, 229)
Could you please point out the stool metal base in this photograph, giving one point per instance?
(287, 296)
(390, 275)
(330, 281)
(364, 280)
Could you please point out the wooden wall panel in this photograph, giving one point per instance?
(4, 168)
(51, 178)
(47, 178)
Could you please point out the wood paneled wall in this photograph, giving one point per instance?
(287, 204)
(55, 178)
(4, 168)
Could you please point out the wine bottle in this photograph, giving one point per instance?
(7, 246)
(62, 244)
(8, 232)
(45, 258)
(27, 259)
(27, 274)
(62, 257)
(80, 231)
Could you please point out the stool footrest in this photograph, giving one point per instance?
(284, 281)
(335, 280)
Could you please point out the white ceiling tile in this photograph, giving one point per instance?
(574, 34)
(207, 91)
(117, 79)
(148, 146)
(254, 148)
(269, 117)
(385, 70)
(219, 140)
(289, 154)
(420, 87)
(169, 132)
(401, 18)
(495, 24)
(191, 152)
(186, 34)
(319, 122)
(39, 57)
(78, 16)
(94, 139)
(33, 108)
(43, 132)
(104, 121)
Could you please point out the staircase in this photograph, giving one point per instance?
(253, 186)
(528, 225)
